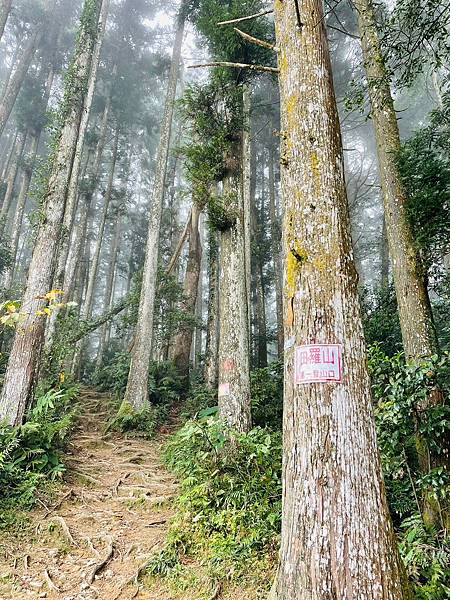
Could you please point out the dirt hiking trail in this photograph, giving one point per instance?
(111, 514)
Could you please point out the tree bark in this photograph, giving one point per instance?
(137, 386)
(5, 7)
(337, 539)
(234, 363)
(276, 253)
(17, 78)
(27, 345)
(182, 344)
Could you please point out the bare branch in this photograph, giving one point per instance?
(237, 66)
(254, 40)
(249, 18)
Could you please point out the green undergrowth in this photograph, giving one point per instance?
(228, 514)
(229, 509)
(164, 388)
(31, 455)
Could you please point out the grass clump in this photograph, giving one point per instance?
(31, 455)
(229, 509)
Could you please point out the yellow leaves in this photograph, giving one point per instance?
(12, 316)
(10, 313)
(53, 295)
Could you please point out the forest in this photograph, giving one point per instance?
(224, 299)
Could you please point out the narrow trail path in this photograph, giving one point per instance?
(112, 514)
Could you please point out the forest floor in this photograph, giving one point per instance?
(106, 520)
(93, 537)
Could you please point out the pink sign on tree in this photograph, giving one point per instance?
(318, 363)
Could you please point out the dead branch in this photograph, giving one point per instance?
(180, 245)
(254, 40)
(51, 585)
(249, 18)
(65, 529)
(102, 564)
(261, 68)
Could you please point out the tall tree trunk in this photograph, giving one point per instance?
(419, 337)
(20, 208)
(11, 181)
(249, 187)
(76, 245)
(212, 328)
(5, 7)
(109, 289)
(17, 78)
(410, 277)
(27, 345)
(198, 340)
(89, 300)
(234, 360)
(72, 196)
(182, 344)
(137, 386)
(276, 253)
(337, 539)
(258, 218)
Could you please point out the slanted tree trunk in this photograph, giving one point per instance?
(89, 299)
(20, 208)
(409, 274)
(211, 372)
(136, 393)
(27, 345)
(234, 362)
(337, 540)
(182, 343)
(17, 78)
(5, 7)
(11, 181)
(276, 253)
